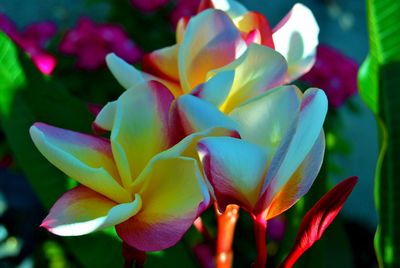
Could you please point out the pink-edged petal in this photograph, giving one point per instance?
(173, 194)
(266, 119)
(300, 182)
(163, 63)
(192, 114)
(85, 158)
(127, 75)
(256, 21)
(318, 219)
(211, 41)
(296, 38)
(235, 169)
(105, 118)
(81, 211)
(257, 70)
(216, 89)
(140, 128)
(296, 145)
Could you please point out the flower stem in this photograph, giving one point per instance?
(260, 230)
(132, 256)
(226, 229)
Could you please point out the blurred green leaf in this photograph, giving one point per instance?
(387, 191)
(384, 41)
(379, 80)
(11, 76)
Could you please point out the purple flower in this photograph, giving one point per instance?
(335, 73)
(91, 42)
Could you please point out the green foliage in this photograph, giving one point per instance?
(384, 40)
(387, 182)
(379, 81)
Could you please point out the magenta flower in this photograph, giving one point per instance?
(33, 41)
(335, 73)
(91, 42)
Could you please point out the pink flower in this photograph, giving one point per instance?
(335, 73)
(91, 42)
(33, 41)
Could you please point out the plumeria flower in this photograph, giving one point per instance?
(91, 42)
(211, 48)
(33, 39)
(151, 192)
(278, 156)
(335, 73)
(276, 161)
(224, 36)
(295, 36)
(232, 82)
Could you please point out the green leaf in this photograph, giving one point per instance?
(384, 41)
(388, 171)
(379, 80)
(11, 76)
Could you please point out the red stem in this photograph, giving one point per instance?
(260, 230)
(292, 258)
(226, 229)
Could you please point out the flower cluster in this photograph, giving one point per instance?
(208, 120)
(335, 73)
(91, 42)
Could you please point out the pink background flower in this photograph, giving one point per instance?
(91, 42)
(335, 73)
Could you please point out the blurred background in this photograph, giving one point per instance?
(351, 132)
